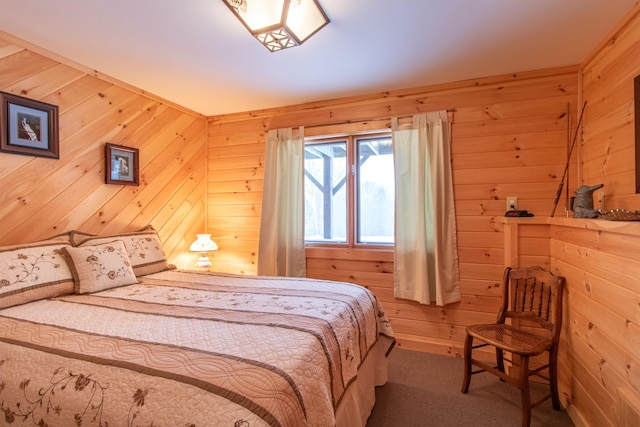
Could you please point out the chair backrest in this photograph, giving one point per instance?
(532, 296)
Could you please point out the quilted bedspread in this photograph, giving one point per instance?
(185, 348)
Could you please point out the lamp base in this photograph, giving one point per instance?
(203, 262)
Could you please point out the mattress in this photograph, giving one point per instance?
(186, 348)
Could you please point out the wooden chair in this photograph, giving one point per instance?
(528, 324)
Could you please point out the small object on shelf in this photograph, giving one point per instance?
(620, 215)
(518, 213)
(582, 203)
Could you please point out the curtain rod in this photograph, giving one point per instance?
(448, 110)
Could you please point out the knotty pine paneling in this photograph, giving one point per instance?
(608, 147)
(600, 259)
(601, 324)
(41, 197)
(509, 138)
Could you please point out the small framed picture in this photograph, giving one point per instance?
(28, 127)
(122, 165)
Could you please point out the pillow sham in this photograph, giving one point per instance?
(99, 267)
(34, 271)
(143, 248)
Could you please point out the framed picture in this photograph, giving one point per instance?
(121, 165)
(28, 127)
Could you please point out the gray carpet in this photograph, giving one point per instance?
(424, 390)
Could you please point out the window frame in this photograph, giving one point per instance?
(352, 189)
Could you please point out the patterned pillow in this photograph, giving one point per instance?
(33, 271)
(99, 267)
(143, 247)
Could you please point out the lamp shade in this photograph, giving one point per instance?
(279, 24)
(203, 244)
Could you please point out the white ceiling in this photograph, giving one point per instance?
(197, 54)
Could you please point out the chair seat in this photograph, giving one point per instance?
(510, 339)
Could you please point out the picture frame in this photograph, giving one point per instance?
(121, 165)
(28, 127)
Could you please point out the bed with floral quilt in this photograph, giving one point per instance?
(102, 331)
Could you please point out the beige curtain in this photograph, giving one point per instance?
(281, 246)
(426, 253)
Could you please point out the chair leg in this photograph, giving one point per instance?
(553, 377)
(468, 344)
(500, 359)
(524, 391)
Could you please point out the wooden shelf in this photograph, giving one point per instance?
(526, 220)
(622, 227)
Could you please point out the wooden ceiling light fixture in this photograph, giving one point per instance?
(279, 24)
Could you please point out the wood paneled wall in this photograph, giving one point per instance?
(608, 148)
(41, 197)
(509, 139)
(599, 353)
(601, 259)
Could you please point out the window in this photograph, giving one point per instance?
(348, 201)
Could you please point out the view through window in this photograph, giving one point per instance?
(349, 201)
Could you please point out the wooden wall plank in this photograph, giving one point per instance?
(22, 64)
(42, 197)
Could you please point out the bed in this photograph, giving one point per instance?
(101, 330)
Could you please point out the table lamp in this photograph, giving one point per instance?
(203, 245)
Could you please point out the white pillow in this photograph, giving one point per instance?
(99, 267)
(143, 248)
(33, 271)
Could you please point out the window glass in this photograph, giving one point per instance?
(325, 190)
(349, 190)
(375, 184)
